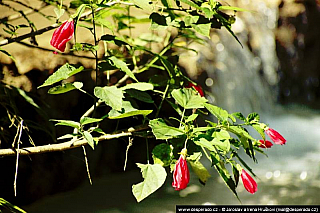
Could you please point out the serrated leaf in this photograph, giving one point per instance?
(162, 154)
(162, 131)
(87, 120)
(239, 115)
(154, 177)
(205, 143)
(73, 124)
(122, 66)
(200, 171)
(203, 29)
(141, 86)
(89, 139)
(222, 145)
(253, 117)
(218, 112)
(62, 73)
(111, 95)
(188, 98)
(127, 111)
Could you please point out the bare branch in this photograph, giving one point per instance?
(69, 144)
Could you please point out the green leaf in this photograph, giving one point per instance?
(8, 54)
(141, 86)
(233, 8)
(116, 40)
(240, 132)
(162, 131)
(122, 66)
(222, 145)
(259, 130)
(27, 98)
(253, 117)
(221, 135)
(87, 120)
(188, 98)
(162, 154)
(191, 118)
(127, 111)
(202, 129)
(111, 95)
(145, 5)
(219, 113)
(239, 115)
(64, 88)
(203, 29)
(62, 73)
(140, 95)
(7, 205)
(59, 12)
(205, 143)
(89, 139)
(200, 171)
(154, 177)
(190, 3)
(67, 123)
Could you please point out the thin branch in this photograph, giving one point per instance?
(43, 30)
(87, 164)
(17, 159)
(69, 144)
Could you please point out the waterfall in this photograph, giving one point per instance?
(243, 78)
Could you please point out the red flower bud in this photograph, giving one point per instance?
(181, 175)
(196, 87)
(275, 136)
(248, 182)
(62, 35)
(265, 144)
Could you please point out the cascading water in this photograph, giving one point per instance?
(244, 79)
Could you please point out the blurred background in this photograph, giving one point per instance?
(276, 74)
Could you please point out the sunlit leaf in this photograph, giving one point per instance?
(73, 124)
(62, 73)
(200, 171)
(218, 112)
(122, 66)
(188, 98)
(87, 120)
(142, 86)
(162, 131)
(89, 139)
(154, 177)
(111, 95)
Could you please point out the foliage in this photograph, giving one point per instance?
(170, 23)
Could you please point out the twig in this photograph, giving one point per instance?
(17, 160)
(128, 147)
(69, 144)
(87, 164)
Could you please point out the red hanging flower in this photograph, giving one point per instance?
(248, 182)
(62, 35)
(196, 87)
(265, 144)
(181, 175)
(275, 136)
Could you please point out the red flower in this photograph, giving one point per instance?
(62, 35)
(181, 175)
(265, 144)
(275, 136)
(248, 182)
(196, 87)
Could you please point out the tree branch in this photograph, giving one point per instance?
(69, 144)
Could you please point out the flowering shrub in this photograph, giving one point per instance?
(173, 25)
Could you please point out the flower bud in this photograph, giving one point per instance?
(196, 87)
(275, 136)
(248, 182)
(181, 175)
(62, 35)
(265, 144)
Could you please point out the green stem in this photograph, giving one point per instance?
(96, 52)
(205, 152)
(147, 145)
(163, 97)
